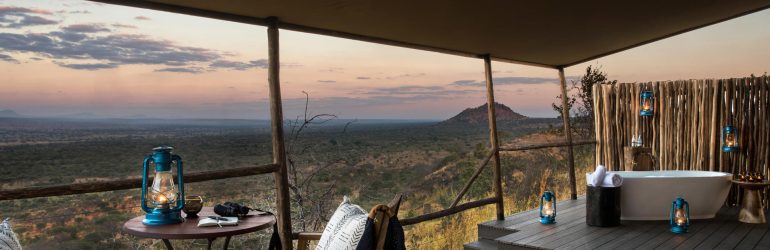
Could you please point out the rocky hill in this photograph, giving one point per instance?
(478, 115)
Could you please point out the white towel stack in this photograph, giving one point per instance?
(600, 178)
(597, 177)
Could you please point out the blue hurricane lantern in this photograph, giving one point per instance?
(548, 208)
(729, 139)
(166, 200)
(679, 216)
(646, 103)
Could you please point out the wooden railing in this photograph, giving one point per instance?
(129, 183)
(455, 208)
(448, 211)
(136, 182)
(548, 145)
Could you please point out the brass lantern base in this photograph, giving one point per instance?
(751, 205)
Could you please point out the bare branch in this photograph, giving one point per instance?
(344, 129)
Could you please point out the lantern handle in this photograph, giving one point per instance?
(144, 183)
(180, 180)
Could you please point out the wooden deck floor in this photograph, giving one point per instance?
(522, 231)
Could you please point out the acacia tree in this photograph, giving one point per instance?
(310, 195)
(580, 100)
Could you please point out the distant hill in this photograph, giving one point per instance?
(7, 113)
(82, 115)
(478, 115)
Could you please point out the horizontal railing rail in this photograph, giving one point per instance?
(547, 145)
(129, 183)
(448, 211)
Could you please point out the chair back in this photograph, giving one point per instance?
(381, 215)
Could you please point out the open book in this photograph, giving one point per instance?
(218, 221)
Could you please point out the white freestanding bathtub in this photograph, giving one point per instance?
(647, 195)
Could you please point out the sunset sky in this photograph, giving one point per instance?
(67, 57)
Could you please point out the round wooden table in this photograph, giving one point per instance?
(190, 230)
(751, 204)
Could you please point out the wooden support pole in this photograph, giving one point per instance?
(568, 134)
(283, 206)
(498, 180)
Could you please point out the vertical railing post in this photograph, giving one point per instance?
(567, 134)
(283, 206)
(498, 181)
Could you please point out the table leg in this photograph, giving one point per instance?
(227, 242)
(211, 240)
(168, 244)
(751, 207)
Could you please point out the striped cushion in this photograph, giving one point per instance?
(345, 229)
(8, 240)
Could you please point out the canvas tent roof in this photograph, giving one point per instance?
(547, 33)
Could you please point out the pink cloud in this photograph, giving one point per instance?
(24, 10)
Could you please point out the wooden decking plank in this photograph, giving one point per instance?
(764, 243)
(629, 236)
(495, 229)
(528, 215)
(588, 238)
(658, 228)
(571, 232)
(530, 238)
(622, 230)
(728, 228)
(732, 239)
(753, 237)
(561, 216)
(537, 230)
(724, 217)
(557, 230)
(720, 234)
(563, 237)
(672, 240)
(658, 240)
(678, 239)
(702, 235)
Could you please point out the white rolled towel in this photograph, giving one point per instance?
(596, 178)
(612, 180)
(589, 180)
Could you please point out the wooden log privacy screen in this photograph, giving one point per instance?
(685, 132)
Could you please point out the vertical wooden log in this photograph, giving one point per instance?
(498, 182)
(597, 124)
(568, 135)
(713, 124)
(619, 140)
(606, 128)
(759, 125)
(656, 122)
(283, 209)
